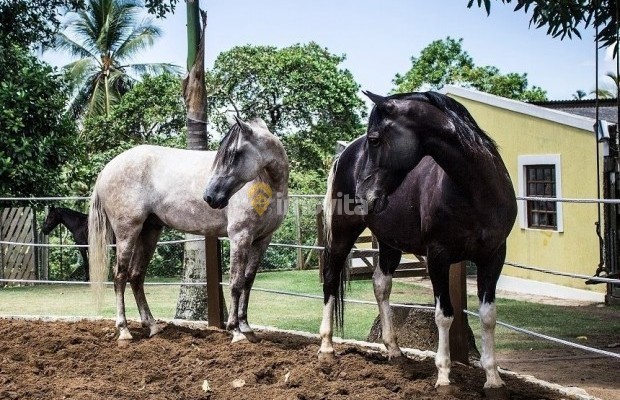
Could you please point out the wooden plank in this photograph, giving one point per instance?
(215, 294)
(459, 341)
(300, 253)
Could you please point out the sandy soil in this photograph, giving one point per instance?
(83, 360)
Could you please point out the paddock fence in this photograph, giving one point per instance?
(215, 262)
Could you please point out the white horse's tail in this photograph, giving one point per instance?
(99, 236)
(328, 208)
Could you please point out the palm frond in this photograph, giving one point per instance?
(64, 43)
(154, 68)
(80, 71)
(142, 37)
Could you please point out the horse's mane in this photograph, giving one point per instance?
(228, 146)
(468, 133)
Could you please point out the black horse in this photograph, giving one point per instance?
(77, 223)
(426, 180)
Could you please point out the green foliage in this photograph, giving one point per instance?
(445, 62)
(38, 137)
(31, 23)
(105, 35)
(300, 91)
(565, 18)
(439, 64)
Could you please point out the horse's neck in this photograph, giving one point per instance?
(73, 221)
(277, 172)
(483, 173)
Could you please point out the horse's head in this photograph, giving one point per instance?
(243, 154)
(395, 139)
(51, 221)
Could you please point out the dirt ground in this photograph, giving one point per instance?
(83, 360)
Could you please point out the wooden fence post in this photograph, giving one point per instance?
(459, 337)
(215, 294)
(300, 252)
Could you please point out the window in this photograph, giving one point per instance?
(540, 176)
(540, 182)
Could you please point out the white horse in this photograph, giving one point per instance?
(148, 187)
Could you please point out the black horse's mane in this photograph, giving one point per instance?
(228, 146)
(468, 133)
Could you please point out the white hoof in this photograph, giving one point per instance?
(154, 330)
(123, 334)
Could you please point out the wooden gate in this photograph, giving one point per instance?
(17, 261)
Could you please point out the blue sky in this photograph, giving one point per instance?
(380, 37)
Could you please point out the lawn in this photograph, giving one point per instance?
(304, 314)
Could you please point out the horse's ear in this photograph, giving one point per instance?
(381, 102)
(245, 127)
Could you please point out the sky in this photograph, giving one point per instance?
(379, 38)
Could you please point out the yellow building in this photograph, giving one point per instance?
(548, 153)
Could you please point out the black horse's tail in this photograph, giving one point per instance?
(336, 279)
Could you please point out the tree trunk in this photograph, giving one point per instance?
(192, 303)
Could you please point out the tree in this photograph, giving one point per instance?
(38, 136)
(609, 93)
(579, 95)
(192, 302)
(107, 35)
(32, 23)
(565, 18)
(445, 62)
(300, 91)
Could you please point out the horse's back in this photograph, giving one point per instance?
(166, 182)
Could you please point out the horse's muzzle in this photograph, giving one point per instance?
(215, 202)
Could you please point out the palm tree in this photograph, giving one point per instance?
(579, 95)
(106, 35)
(606, 93)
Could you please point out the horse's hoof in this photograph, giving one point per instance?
(247, 337)
(328, 358)
(154, 330)
(447, 389)
(496, 393)
(251, 337)
(124, 334)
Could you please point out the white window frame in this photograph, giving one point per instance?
(542, 159)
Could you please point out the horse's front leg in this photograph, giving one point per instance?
(439, 271)
(389, 258)
(239, 254)
(257, 250)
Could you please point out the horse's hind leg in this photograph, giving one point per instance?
(254, 258)
(343, 237)
(439, 271)
(145, 247)
(125, 243)
(389, 258)
(488, 274)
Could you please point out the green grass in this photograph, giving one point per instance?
(304, 314)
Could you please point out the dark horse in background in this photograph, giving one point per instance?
(77, 223)
(427, 181)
